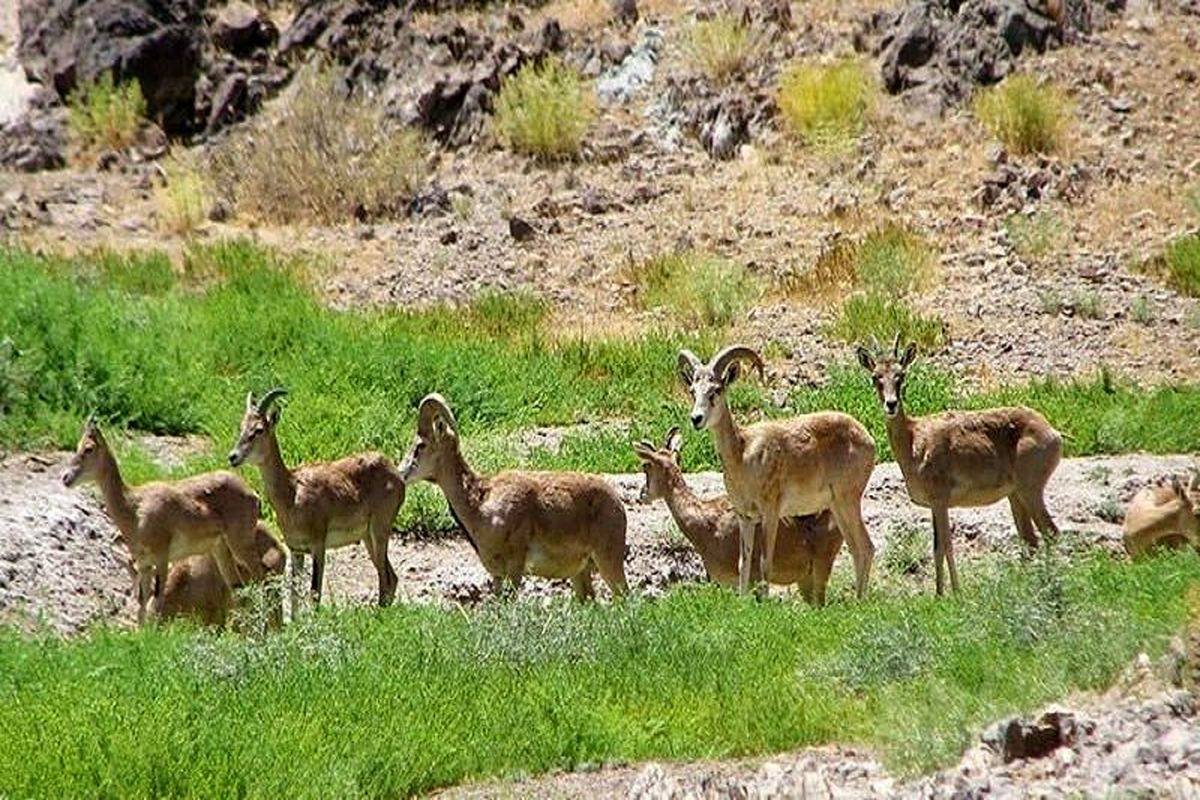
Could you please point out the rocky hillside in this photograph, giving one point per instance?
(1043, 262)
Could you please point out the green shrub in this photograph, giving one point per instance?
(544, 111)
(320, 157)
(826, 106)
(872, 315)
(104, 116)
(720, 46)
(698, 289)
(1182, 264)
(1027, 117)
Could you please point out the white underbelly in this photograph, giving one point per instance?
(540, 562)
(342, 537)
(797, 502)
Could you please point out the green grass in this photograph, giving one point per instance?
(366, 703)
(1025, 115)
(826, 106)
(545, 111)
(890, 260)
(698, 289)
(155, 349)
(720, 46)
(1035, 237)
(873, 316)
(104, 115)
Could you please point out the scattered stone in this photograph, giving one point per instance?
(240, 28)
(521, 230)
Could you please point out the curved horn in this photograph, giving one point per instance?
(271, 396)
(736, 352)
(896, 346)
(249, 400)
(432, 407)
(688, 363)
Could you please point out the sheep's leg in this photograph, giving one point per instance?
(318, 569)
(1023, 522)
(942, 529)
(376, 541)
(746, 531)
(581, 583)
(295, 580)
(145, 588)
(770, 528)
(847, 513)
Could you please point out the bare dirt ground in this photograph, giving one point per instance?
(60, 563)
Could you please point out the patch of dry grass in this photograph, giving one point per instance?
(826, 106)
(1037, 236)
(698, 289)
(545, 111)
(1025, 115)
(719, 47)
(184, 198)
(320, 156)
(890, 259)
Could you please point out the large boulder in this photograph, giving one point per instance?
(241, 29)
(937, 51)
(65, 43)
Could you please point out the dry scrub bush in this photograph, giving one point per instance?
(544, 111)
(1027, 117)
(321, 156)
(184, 198)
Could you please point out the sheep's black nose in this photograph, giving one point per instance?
(233, 459)
(697, 421)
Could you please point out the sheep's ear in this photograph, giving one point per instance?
(910, 354)
(273, 416)
(865, 358)
(643, 449)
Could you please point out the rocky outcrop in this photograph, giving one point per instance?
(65, 43)
(936, 51)
(442, 81)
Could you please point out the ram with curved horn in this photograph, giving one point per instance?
(779, 469)
(326, 505)
(966, 458)
(550, 524)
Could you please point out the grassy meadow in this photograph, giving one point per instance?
(365, 703)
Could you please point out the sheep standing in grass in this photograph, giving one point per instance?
(804, 553)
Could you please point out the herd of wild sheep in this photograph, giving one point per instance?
(794, 495)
